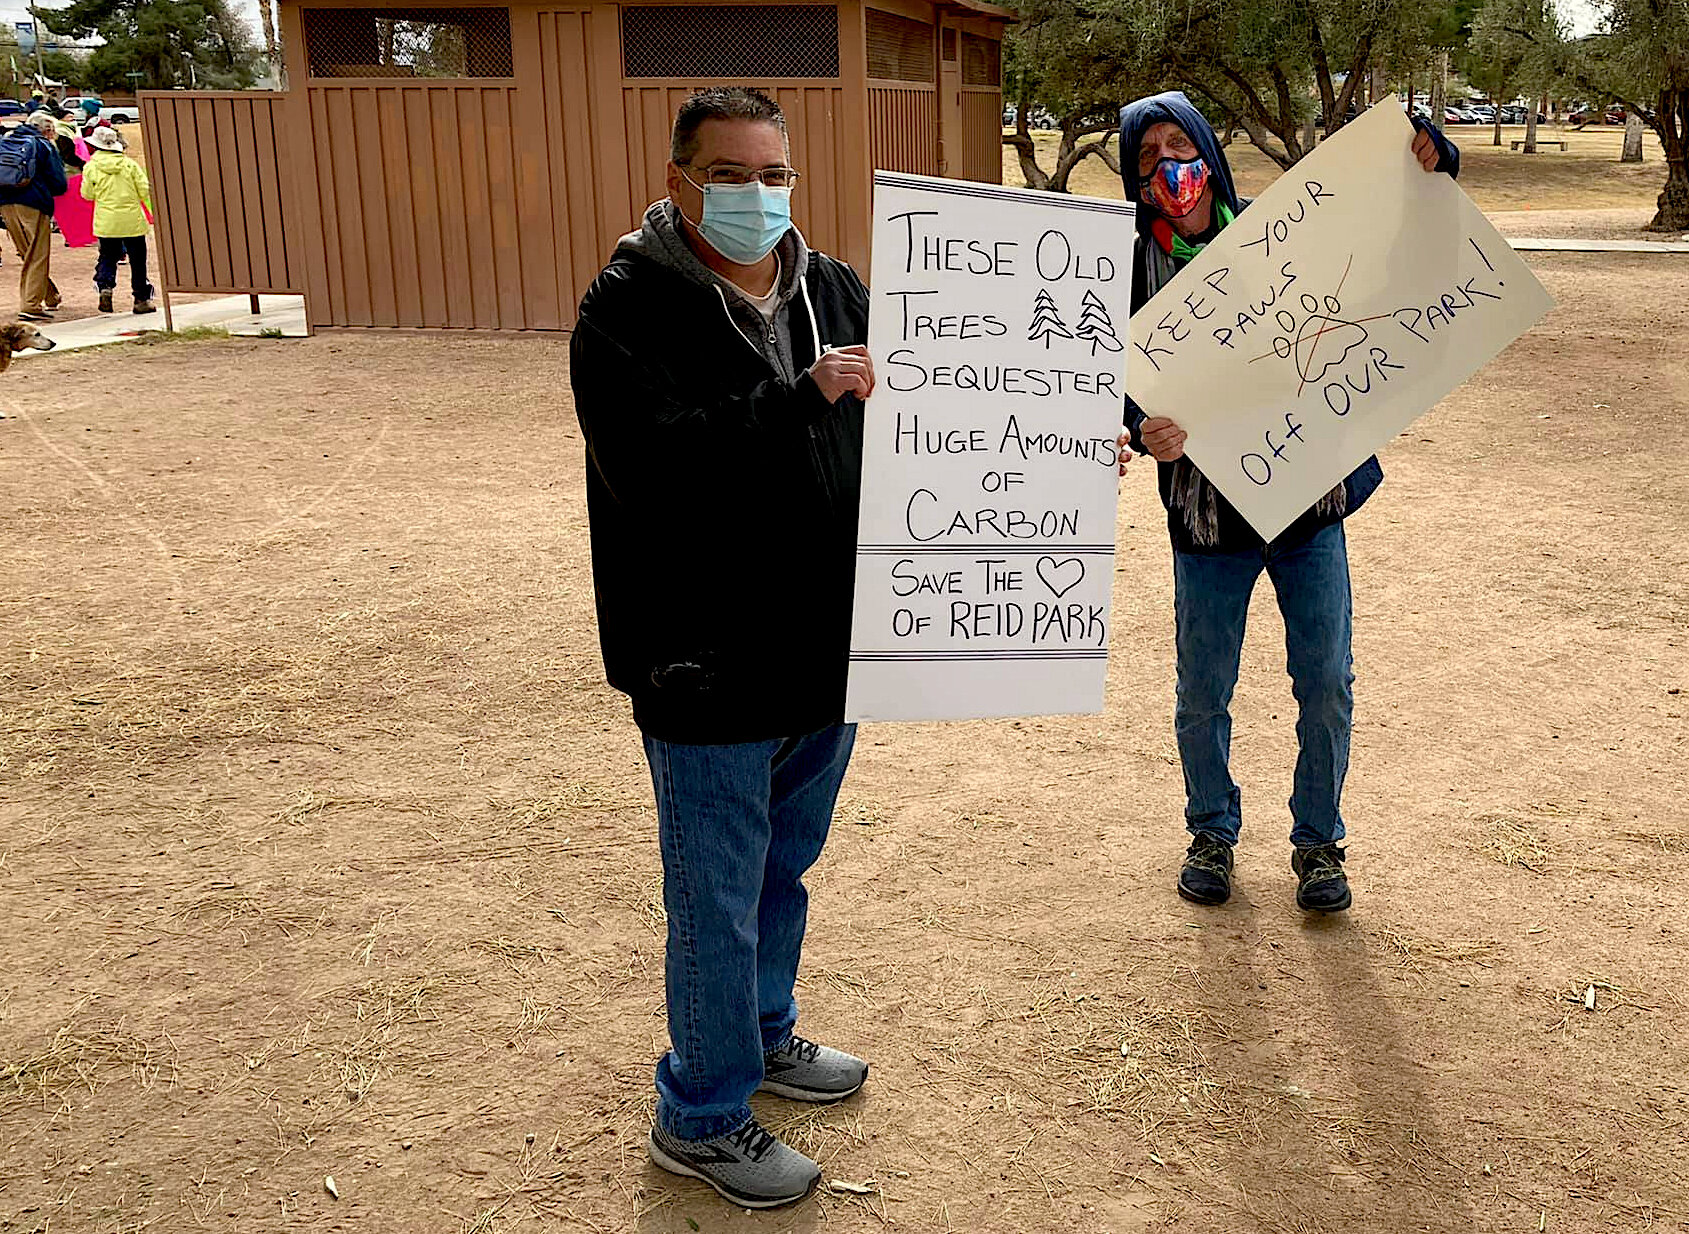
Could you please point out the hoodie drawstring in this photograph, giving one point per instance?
(814, 329)
(808, 306)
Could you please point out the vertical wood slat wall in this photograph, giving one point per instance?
(821, 150)
(903, 127)
(224, 209)
(416, 202)
(982, 135)
(492, 203)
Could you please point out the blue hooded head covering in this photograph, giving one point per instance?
(1136, 118)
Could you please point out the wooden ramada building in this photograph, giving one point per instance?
(471, 165)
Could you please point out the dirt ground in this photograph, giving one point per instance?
(1496, 177)
(325, 851)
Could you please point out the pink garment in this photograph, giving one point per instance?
(74, 216)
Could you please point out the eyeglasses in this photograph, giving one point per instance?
(732, 173)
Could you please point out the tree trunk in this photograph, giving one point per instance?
(1671, 122)
(1632, 139)
(1531, 127)
(1021, 140)
(1497, 140)
(1310, 132)
(267, 16)
(1439, 86)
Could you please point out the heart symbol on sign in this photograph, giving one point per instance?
(1062, 576)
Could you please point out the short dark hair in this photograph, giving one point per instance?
(720, 103)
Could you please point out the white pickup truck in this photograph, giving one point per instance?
(117, 113)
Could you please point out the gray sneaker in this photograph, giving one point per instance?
(749, 1167)
(805, 1071)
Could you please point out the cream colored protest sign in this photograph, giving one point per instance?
(1347, 300)
(985, 553)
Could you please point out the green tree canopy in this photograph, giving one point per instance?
(1265, 66)
(1639, 56)
(171, 43)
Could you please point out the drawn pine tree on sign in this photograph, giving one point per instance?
(1045, 320)
(1094, 325)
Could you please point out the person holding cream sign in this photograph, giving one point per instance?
(1174, 169)
(719, 375)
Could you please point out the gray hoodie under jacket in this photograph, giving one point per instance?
(659, 238)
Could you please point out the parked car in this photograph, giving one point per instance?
(121, 114)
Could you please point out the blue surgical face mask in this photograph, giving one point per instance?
(743, 222)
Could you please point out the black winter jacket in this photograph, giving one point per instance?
(723, 503)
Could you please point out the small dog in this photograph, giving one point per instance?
(19, 336)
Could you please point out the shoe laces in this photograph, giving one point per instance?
(799, 1048)
(1322, 859)
(752, 1140)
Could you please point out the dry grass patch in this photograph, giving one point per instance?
(226, 904)
(643, 896)
(1414, 952)
(1665, 842)
(863, 813)
(1122, 1057)
(79, 1059)
(383, 1012)
(1513, 842)
(572, 800)
(309, 803)
(515, 955)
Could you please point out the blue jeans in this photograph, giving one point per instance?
(739, 825)
(112, 250)
(1211, 603)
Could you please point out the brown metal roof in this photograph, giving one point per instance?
(980, 7)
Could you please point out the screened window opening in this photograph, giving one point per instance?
(408, 42)
(982, 61)
(689, 41)
(899, 49)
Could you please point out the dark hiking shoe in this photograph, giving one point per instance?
(34, 315)
(1207, 874)
(1322, 886)
(105, 302)
(145, 306)
(749, 1167)
(805, 1071)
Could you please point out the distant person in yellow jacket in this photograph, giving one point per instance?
(117, 185)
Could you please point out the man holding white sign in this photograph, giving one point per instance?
(719, 375)
(1175, 170)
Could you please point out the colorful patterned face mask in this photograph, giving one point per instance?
(1175, 187)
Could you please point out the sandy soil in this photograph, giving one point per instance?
(324, 850)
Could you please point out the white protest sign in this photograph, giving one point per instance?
(1348, 299)
(985, 551)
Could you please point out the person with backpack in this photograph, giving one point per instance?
(117, 185)
(31, 176)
